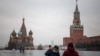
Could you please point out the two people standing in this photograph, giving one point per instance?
(22, 46)
(52, 51)
(21, 49)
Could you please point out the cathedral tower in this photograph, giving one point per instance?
(23, 29)
(76, 30)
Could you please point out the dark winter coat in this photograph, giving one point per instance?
(70, 52)
(52, 53)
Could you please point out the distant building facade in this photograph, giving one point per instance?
(77, 32)
(21, 39)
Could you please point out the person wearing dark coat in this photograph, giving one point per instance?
(49, 51)
(70, 51)
(56, 51)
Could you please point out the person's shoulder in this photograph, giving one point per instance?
(66, 51)
(50, 50)
(76, 53)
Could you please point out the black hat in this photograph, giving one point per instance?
(56, 47)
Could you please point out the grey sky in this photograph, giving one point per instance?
(48, 19)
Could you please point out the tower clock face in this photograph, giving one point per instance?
(77, 22)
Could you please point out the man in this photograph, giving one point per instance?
(49, 51)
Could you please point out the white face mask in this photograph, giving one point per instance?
(55, 51)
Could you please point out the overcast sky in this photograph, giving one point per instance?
(48, 19)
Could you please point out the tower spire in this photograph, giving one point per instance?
(23, 28)
(23, 20)
(76, 5)
(76, 20)
(76, 0)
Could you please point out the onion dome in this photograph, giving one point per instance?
(19, 33)
(30, 33)
(13, 33)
